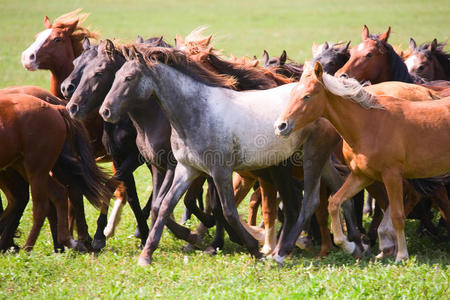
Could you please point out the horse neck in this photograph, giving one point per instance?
(347, 117)
(180, 96)
(57, 77)
(150, 120)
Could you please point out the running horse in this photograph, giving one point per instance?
(372, 149)
(34, 155)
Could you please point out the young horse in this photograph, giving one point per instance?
(421, 135)
(35, 158)
(428, 61)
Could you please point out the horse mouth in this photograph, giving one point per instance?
(31, 66)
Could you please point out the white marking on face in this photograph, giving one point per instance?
(29, 55)
(360, 47)
(412, 61)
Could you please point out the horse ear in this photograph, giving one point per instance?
(325, 46)
(265, 57)
(47, 23)
(86, 43)
(126, 54)
(139, 40)
(433, 45)
(72, 26)
(318, 71)
(412, 44)
(160, 40)
(109, 47)
(283, 57)
(365, 33)
(208, 39)
(385, 36)
(344, 49)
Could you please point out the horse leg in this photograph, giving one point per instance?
(40, 209)
(164, 182)
(352, 185)
(53, 222)
(59, 197)
(322, 218)
(76, 201)
(440, 197)
(255, 202)
(190, 202)
(269, 205)
(182, 179)
(223, 181)
(358, 207)
(394, 187)
(121, 199)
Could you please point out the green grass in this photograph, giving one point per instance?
(241, 28)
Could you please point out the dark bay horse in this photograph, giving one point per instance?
(428, 61)
(422, 132)
(34, 158)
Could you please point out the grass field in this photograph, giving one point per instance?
(242, 28)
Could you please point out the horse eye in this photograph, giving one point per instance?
(98, 74)
(57, 39)
(369, 55)
(307, 97)
(128, 78)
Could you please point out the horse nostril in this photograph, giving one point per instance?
(343, 75)
(32, 56)
(70, 88)
(282, 126)
(73, 109)
(106, 113)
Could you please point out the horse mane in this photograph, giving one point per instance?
(79, 33)
(248, 77)
(182, 62)
(350, 88)
(440, 54)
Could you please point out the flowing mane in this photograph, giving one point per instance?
(350, 89)
(247, 73)
(79, 33)
(182, 62)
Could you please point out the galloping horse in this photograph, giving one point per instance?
(428, 61)
(279, 65)
(34, 155)
(417, 148)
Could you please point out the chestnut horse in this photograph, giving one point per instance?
(428, 61)
(34, 155)
(418, 147)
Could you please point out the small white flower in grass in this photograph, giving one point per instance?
(185, 259)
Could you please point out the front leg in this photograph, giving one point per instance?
(183, 177)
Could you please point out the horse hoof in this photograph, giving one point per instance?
(401, 258)
(98, 245)
(304, 243)
(279, 259)
(144, 261)
(266, 250)
(137, 233)
(108, 232)
(189, 248)
(210, 250)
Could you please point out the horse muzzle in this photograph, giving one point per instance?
(283, 128)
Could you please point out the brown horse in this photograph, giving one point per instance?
(428, 61)
(34, 155)
(418, 147)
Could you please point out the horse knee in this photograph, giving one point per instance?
(333, 206)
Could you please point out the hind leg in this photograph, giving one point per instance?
(322, 218)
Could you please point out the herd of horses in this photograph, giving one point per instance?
(305, 137)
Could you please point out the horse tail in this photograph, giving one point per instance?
(427, 186)
(77, 161)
